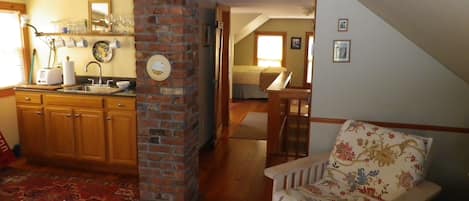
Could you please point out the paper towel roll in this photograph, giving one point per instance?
(69, 73)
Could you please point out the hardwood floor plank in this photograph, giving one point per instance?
(234, 169)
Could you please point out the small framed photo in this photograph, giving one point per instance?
(342, 25)
(341, 51)
(295, 43)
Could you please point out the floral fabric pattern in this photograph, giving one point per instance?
(323, 190)
(377, 162)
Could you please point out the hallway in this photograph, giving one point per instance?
(234, 169)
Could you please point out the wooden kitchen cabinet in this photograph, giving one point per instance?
(121, 124)
(73, 130)
(79, 131)
(60, 132)
(122, 137)
(32, 131)
(90, 135)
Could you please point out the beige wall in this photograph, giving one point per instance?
(239, 20)
(244, 50)
(8, 124)
(389, 79)
(42, 13)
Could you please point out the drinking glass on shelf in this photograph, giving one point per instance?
(129, 23)
(109, 20)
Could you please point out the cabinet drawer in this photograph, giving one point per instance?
(28, 97)
(74, 101)
(120, 103)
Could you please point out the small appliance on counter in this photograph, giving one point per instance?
(49, 76)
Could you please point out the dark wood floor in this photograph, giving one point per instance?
(234, 169)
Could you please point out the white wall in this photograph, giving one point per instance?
(389, 79)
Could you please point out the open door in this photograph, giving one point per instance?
(222, 90)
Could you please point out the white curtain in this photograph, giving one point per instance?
(11, 50)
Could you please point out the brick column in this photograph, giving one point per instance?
(167, 111)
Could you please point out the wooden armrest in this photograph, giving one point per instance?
(286, 168)
(426, 190)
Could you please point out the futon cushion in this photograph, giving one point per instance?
(323, 190)
(377, 161)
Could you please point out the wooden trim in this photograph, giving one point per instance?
(225, 91)
(395, 125)
(25, 31)
(13, 6)
(7, 92)
(90, 14)
(271, 33)
(281, 82)
(305, 74)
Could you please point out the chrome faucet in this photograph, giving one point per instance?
(100, 80)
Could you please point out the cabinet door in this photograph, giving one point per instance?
(89, 130)
(60, 134)
(32, 131)
(122, 138)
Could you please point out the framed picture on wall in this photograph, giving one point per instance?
(341, 51)
(342, 25)
(295, 43)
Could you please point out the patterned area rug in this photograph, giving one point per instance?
(21, 185)
(253, 126)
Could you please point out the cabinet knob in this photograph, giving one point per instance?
(108, 118)
(39, 113)
(120, 105)
(68, 115)
(77, 115)
(27, 98)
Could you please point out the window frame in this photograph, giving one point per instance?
(21, 8)
(305, 74)
(269, 33)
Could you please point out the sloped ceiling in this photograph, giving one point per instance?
(441, 28)
(273, 8)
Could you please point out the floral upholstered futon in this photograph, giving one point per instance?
(367, 162)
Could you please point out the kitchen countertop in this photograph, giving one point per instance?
(125, 93)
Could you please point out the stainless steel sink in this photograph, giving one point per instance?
(91, 89)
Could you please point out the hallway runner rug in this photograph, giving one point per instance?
(22, 185)
(253, 126)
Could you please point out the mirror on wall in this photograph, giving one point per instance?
(99, 12)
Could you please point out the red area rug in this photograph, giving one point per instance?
(21, 185)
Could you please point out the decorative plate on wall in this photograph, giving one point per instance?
(102, 52)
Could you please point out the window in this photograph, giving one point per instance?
(270, 49)
(309, 58)
(11, 51)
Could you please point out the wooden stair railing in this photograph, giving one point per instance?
(288, 119)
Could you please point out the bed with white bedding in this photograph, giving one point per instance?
(251, 81)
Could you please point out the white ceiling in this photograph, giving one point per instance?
(273, 8)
